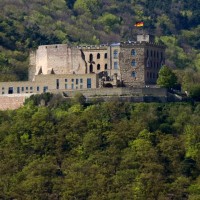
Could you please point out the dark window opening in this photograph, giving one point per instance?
(105, 55)
(98, 56)
(98, 67)
(10, 90)
(18, 90)
(133, 63)
(133, 52)
(134, 74)
(106, 67)
(57, 84)
(91, 68)
(91, 58)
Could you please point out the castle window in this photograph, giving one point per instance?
(18, 90)
(89, 83)
(26, 88)
(134, 74)
(98, 67)
(31, 88)
(72, 86)
(98, 56)
(2, 88)
(57, 83)
(91, 68)
(38, 88)
(133, 63)
(66, 86)
(65, 80)
(90, 58)
(106, 67)
(115, 65)
(105, 55)
(45, 88)
(133, 52)
(76, 81)
(22, 89)
(115, 54)
(81, 80)
(72, 80)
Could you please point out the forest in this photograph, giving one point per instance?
(103, 150)
(69, 149)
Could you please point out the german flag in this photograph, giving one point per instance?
(139, 24)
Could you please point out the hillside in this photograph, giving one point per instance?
(70, 150)
(26, 24)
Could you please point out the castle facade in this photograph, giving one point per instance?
(57, 68)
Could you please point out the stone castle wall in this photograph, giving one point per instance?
(127, 69)
(11, 102)
(60, 58)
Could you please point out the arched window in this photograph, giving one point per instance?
(98, 67)
(91, 58)
(105, 55)
(91, 68)
(134, 74)
(115, 54)
(133, 52)
(115, 65)
(133, 63)
(98, 56)
(106, 67)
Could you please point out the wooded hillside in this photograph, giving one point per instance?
(70, 150)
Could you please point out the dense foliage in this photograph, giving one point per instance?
(25, 24)
(111, 150)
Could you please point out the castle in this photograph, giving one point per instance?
(60, 67)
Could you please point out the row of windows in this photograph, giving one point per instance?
(115, 55)
(98, 56)
(154, 64)
(155, 54)
(105, 67)
(149, 75)
(152, 75)
(74, 83)
(23, 89)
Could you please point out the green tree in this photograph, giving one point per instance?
(167, 77)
